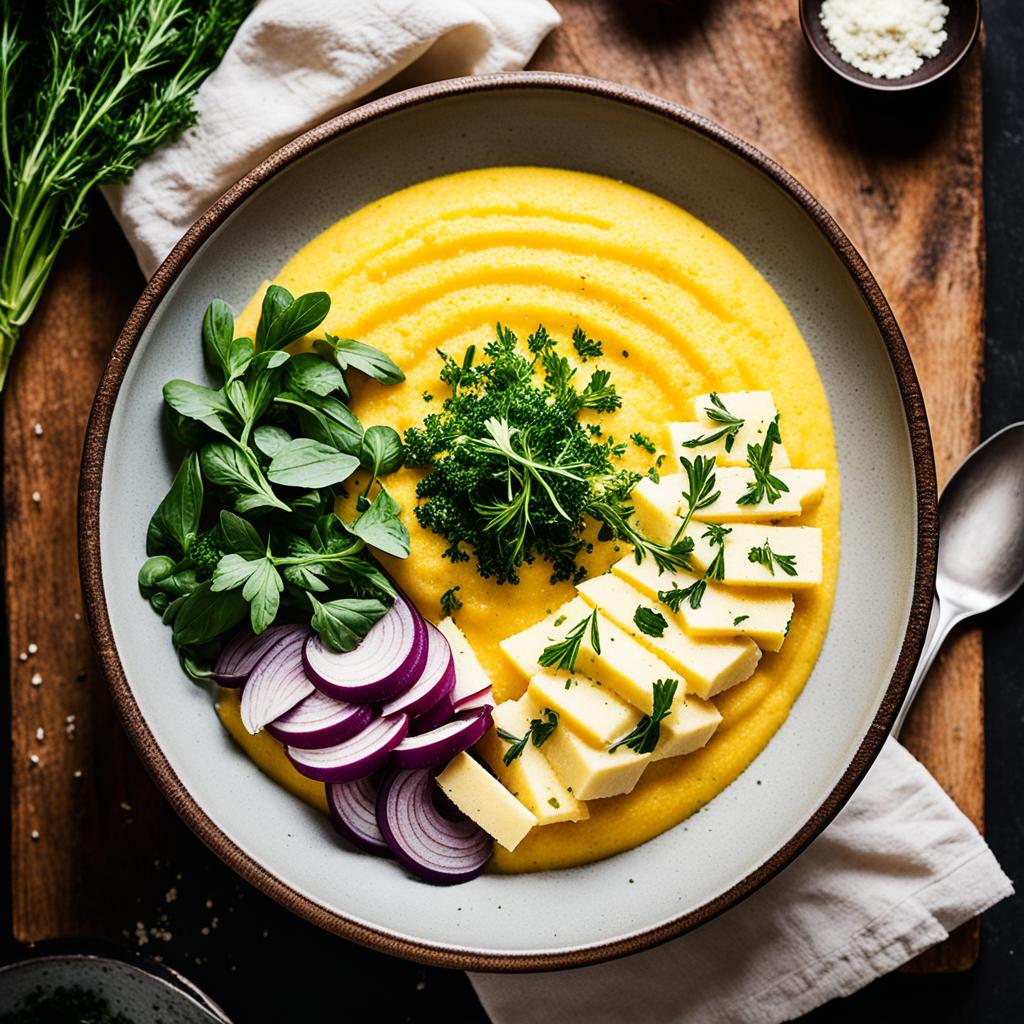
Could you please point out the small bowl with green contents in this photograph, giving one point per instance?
(891, 45)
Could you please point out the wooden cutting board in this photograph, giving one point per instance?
(901, 174)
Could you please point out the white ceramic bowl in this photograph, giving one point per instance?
(749, 832)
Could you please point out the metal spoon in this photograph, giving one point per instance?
(981, 543)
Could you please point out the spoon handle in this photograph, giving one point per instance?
(945, 615)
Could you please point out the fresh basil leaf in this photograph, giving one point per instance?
(270, 440)
(343, 623)
(263, 592)
(233, 571)
(176, 520)
(308, 463)
(223, 464)
(261, 389)
(275, 300)
(326, 420)
(188, 433)
(381, 527)
(295, 321)
(269, 360)
(205, 614)
(198, 403)
(303, 576)
(172, 608)
(218, 333)
(238, 395)
(330, 535)
(241, 536)
(310, 373)
(306, 509)
(358, 572)
(199, 660)
(240, 355)
(381, 450)
(371, 361)
(179, 583)
(159, 602)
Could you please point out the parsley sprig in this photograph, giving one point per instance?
(539, 732)
(718, 413)
(769, 559)
(764, 486)
(644, 738)
(511, 470)
(563, 653)
(694, 593)
(450, 601)
(649, 621)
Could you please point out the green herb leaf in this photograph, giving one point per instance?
(540, 731)
(381, 526)
(716, 534)
(195, 402)
(275, 301)
(292, 321)
(675, 597)
(343, 623)
(176, 520)
(310, 373)
(218, 334)
(450, 602)
(649, 621)
(371, 361)
(204, 615)
(308, 463)
(327, 420)
(241, 536)
(517, 744)
(381, 451)
(586, 348)
(563, 654)
(270, 440)
(700, 492)
(263, 592)
(764, 486)
(766, 557)
(644, 738)
(718, 413)
(225, 465)
(739, 619)
(239, 358)
(643, 441)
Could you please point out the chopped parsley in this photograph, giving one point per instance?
(539, 731)
(563, 654)
(716, 535)
(586, 348)
(644, 738)
(513, 474)
(649, 621)
(694, 593)
(764, 486)
(718, 413)
(643, 441)
(739, 619)
(450, 601)
(553, 801)
(769, 559)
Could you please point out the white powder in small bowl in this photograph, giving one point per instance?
(885, 38)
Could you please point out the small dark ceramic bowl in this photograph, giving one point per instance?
(962, 26)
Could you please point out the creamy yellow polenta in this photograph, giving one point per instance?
(680, 311)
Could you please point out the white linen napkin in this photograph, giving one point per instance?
(294, 64)
(898, 869)
(895, 873)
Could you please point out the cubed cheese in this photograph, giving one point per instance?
(470, 676)
(803, 543)
(656, 507)
(762, 614)
(806, 487)
(524, 648)
(755, 408)
(591, 773)
(596, 714)
(705, 667)
(688, 727)
(530, 778)
(482, 798)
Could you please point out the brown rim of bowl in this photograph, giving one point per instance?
(99, 619)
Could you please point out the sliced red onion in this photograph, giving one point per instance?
(243, 651)
(320, 721)
(481, 699)
(435, 682)
(387, 662)
(422, 839)
(354, 758)
(437, 715)
(440, 745)
(277, 683)
(353, 807)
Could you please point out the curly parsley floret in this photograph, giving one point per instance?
(513, 473)
(206, 551)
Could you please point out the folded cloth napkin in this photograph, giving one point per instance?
(898, 869)
(294, 64)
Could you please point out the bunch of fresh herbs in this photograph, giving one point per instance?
(87, 90)
(512, 470)
(248, 528)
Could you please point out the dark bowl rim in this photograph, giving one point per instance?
(91, 571)
(838, 66)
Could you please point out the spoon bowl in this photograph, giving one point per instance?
(981, 525)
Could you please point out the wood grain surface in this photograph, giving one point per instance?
(902, 175)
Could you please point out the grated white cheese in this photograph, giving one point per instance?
(885, 38)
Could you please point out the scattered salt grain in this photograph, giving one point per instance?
(38, 430)
(885, 38)
(23, 656)
(35, 835)
(40, 733)
(37, 679)
(37, 497)
(77, 773)
(33, 648)
(34, 759)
